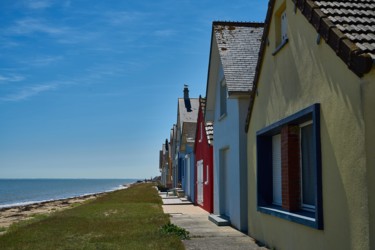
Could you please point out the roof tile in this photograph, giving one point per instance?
(355, 21)
(238, 45)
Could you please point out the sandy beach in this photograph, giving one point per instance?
(10, 215)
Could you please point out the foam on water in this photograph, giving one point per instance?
(21, 192)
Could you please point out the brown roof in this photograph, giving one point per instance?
(347, 26)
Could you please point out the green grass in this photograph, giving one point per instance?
(125, 219)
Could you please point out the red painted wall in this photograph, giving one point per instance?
(204, 151)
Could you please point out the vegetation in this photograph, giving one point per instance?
(175, 230)
(125, 219)
(162, 188)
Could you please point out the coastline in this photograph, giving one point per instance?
(13, 214)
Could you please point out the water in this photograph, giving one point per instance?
(14, 192)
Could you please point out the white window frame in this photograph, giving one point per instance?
(306, 207)
(283, 26)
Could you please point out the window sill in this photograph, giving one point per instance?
(302, 217)
(280, 47)
(222, 116)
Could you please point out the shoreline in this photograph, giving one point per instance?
(13, 214)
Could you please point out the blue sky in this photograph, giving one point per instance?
(88, 89)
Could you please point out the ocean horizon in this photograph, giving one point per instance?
(18, 192)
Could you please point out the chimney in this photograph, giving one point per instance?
(187, 98)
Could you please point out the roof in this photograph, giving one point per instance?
(209, 126)
(210, 132)
(238, 45)
(188, 131)
(347, 26)
(184, 115)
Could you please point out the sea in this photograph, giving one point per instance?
(17, 192)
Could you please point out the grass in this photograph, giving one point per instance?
(124, 219)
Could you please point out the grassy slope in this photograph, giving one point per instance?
(125, 219)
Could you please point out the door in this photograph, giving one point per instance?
(200, 182)
(225, 188)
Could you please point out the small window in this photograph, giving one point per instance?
(289, 168)
(281, 28)
(201, 132)
(223, 97)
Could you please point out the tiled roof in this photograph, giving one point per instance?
(238, 45)
(208, 125)
(210, 132)
(347, 26)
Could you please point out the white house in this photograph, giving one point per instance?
(233, 57)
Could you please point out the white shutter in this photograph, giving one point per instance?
(284, 24)
(276, 170)
(200, 182)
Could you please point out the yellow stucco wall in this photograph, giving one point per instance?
(368, 93)
(299, 75)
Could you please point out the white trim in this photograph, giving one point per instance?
(289, 213)
(206, 182)
(305, 207)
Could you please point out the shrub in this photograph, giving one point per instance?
(175, 230)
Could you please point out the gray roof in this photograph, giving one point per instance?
(188, 131)
(238, 45)
(186, 116)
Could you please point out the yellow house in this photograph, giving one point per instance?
(311, 127)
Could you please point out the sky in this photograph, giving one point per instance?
(89, 88)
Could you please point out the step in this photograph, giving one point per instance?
(219, 220)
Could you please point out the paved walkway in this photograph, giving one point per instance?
(204, 234)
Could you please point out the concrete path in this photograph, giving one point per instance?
(203, 233)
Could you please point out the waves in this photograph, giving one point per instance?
(19, 192)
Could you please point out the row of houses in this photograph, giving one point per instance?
(282, 145)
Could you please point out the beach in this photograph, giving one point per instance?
(17, 213)
(10, 215)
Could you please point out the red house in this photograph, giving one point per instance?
(204, 175)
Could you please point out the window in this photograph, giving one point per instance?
(281, 28)
(223, 97)
(307, 167)
(276, 170)
(289, 168)
(201, 132)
